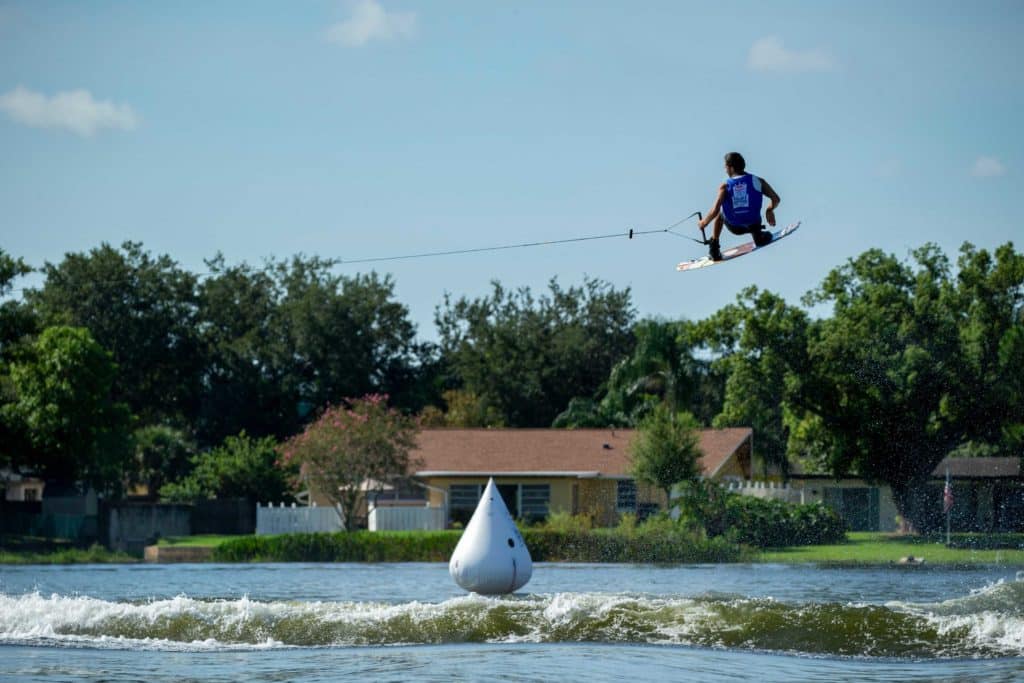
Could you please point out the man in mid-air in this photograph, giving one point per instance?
(738, 205)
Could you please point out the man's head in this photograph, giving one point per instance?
(734, 163)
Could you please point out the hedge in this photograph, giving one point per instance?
(775, 524)
(662, 544)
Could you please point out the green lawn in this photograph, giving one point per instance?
(880, 548)
(30, 550)
(209, 541)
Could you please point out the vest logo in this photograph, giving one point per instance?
(740, 198)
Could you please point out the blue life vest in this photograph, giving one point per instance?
(742, 205)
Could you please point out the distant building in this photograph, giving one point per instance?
(21, 488)
(988, 495)
(541, 471)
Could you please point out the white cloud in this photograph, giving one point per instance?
(370, 21)
(75, 110)
(987, 167)
(769, 54)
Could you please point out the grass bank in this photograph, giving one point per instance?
(873, 548)
(207, 541)
(598, 545)
(29, 550)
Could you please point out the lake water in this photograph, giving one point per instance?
(326, 622)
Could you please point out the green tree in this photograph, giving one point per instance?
(287, 339)
(16, 321)
(912, 364)
(352, 448)
(759, 341)
(64, 402)
(463, 409)
(666, 450)
(988, 299)
(140, 308)
(245, 385)
(667, 365)
(343, 336)
(16, 324)
(162, 455)
(528, 357)
(241, 467)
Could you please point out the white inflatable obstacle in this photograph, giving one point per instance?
(491, 557)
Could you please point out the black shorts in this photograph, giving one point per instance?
(743, 229)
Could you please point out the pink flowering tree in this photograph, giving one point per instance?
(351, 450)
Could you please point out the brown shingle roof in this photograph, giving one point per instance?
(979, 468)
(602, 452)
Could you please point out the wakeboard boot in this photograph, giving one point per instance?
(714, 250)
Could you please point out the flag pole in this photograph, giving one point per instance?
(947, 496)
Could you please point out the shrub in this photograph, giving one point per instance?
(352, 546)
(659, 541)
(773, 523)
(565, 522)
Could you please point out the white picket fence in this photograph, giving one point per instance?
(767, 489)
(406, 518)
(296, 519)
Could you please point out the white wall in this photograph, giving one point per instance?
(294, 519)
(406, 518)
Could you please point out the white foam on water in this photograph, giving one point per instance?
(990, 617)
(986, 622)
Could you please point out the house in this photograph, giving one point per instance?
(540, 471)
(21, 488)
(988, 495)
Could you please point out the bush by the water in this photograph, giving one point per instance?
(774, 524)
(350, 546)
(658, 540)
(758, 522)
(14, 551)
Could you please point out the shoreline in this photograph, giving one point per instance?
(860, 550)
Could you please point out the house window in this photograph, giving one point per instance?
(625, 495)
(464, 495)
(530, 501)
(31, 494)
(462, 500)
(534, 500)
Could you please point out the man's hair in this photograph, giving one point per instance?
(735, 159)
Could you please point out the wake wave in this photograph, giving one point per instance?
(986, 623)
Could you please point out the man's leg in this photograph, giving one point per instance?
(761, 236)
(714, 248)
(758, 232)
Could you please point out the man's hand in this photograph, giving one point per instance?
(770, 215)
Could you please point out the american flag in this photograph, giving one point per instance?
(947, 496)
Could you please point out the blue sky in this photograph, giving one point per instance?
(379, 127)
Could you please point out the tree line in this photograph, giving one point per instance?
(123, 367)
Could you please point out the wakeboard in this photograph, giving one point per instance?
(736, 252)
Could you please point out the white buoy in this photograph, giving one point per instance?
(491, 557)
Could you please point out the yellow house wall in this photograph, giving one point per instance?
(595, 498)
(731, 468)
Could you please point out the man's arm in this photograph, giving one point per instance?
(771, 194)
(715, 208)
